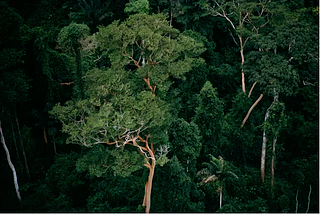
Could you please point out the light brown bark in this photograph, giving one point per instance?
(148, 185)
(250, 110)
(254, 84)
(242, 62)
(144, 150)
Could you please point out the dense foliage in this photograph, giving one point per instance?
(159, 106)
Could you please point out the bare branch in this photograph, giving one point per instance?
(67, 83)
(252, 88)
(97, 59)
(248, 114)
(305, 82)
(224, 15)
(246, 41)
(234, 40)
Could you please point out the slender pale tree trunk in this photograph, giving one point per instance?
(220, 205)
(264, 148)
(264, 141)
(242, 62)
(309, 199)
(54, 147)
(171, 14)
(275, 102)
(297, 202)
(272, 160)
(22, 148)
(15, 179)
(143, 56)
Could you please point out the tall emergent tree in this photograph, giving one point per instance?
(125, 104)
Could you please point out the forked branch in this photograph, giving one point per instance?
(152, 88)
(129, 138)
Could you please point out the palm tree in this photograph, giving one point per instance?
(92, 12)
(217, 170)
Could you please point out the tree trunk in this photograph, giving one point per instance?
(264, 148)
(275, 102)
(143, 56)
(220, 198)
(15, 179)
(242, 62)
(297, 202)
(309, 199)
(264, 142)
(148, 186)
(272, 160)
(171, 14)
(22, 148)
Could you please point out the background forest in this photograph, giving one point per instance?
(159, 106)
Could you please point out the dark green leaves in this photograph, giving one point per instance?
(272, 72)
(70, 37)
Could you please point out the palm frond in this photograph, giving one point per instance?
(209, 179)
(232, 174)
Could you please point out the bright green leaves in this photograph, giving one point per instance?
(105, 83)
(150, 48)
(99, 160)
(162, 160)
(127, 101)
(137, 6)
(107, 114)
